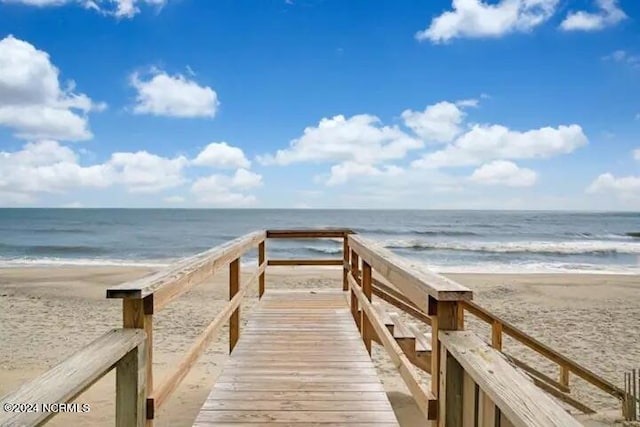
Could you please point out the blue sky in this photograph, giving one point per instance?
(512, 104)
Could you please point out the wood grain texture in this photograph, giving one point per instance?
(261, 262)
(545, 350)
(312, 369)
(168, 284)
(421, 394)
(308, 234)
(66, 381)
(516, 396)
(412, 279)
(131, 388)
(234, 288)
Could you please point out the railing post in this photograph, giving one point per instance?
(138, 314)
(367, 328)
(261, 260)
(564, 375)
(131, 388)
(345, 258)
(496, 335)
(447, 375)
(355, 272)
(234, 287)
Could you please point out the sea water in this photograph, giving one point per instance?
(446, 241)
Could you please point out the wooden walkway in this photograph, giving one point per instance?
(300, 360)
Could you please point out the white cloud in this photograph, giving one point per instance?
(609, 14)
(476, 18)
(468, 103)
(222, 155)
(48, 167)
(244, 179)
(485, 143)
(174, 199)
(223, 190)
(636, 154)
(117, 8)
(343, 172)
(173, 96)
(147, 173)
(359, 138)
(501, 172)
(624, 57)
(437, 123)
(32, 103)
(626, 188)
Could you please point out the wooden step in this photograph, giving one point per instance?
(423, 340)
(384, 316)
(403, 335)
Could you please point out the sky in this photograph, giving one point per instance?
(413, 104)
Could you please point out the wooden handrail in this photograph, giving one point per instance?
(161, 288)
(425, 400)
(516, 396)
(544, 350)
(328, 233)
(65, 381)
(412, 279)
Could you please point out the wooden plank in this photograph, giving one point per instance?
(468, 401)
(261, 263)
(131, 388)
(520, 400)
(297, 416)
(421, 395)
(565, 397)
(65, 381)
(355, 272)
(407, 308)
(303, 424)
(423, 340)
(496, 335)
(384, 316)
(345, 263)
(308, 234)
(534, 373)
(367, 329)
(168, 284)
(318, 396)
(296, 405)
(412, 279)
(299, 386)
(300, 262)
(234, 288)
(546, 351)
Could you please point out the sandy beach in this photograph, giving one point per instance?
(48, 313)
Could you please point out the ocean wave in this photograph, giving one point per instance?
(394, 231)
(549, 248)
(326, 251)
(535, 268)
(81, 262)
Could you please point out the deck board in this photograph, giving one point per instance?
(300, 360)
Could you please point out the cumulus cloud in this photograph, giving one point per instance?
(437, 123)
(343, 172)
(147, 173)
(224, 190)
(116, 8)
(48, 167)
(486, 143)
(609, 14)
(501, 172)
(359, 138)
(477, 18)
(222, 155)
(624, 187)
(32, 102)
(161, 94)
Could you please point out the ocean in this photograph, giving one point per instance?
(445, 241)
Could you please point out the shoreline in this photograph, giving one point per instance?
(47, 313)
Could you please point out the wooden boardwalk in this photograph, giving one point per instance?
(300, 360)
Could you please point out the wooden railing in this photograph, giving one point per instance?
(368, 270)
(143, 298)
(38, 400)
